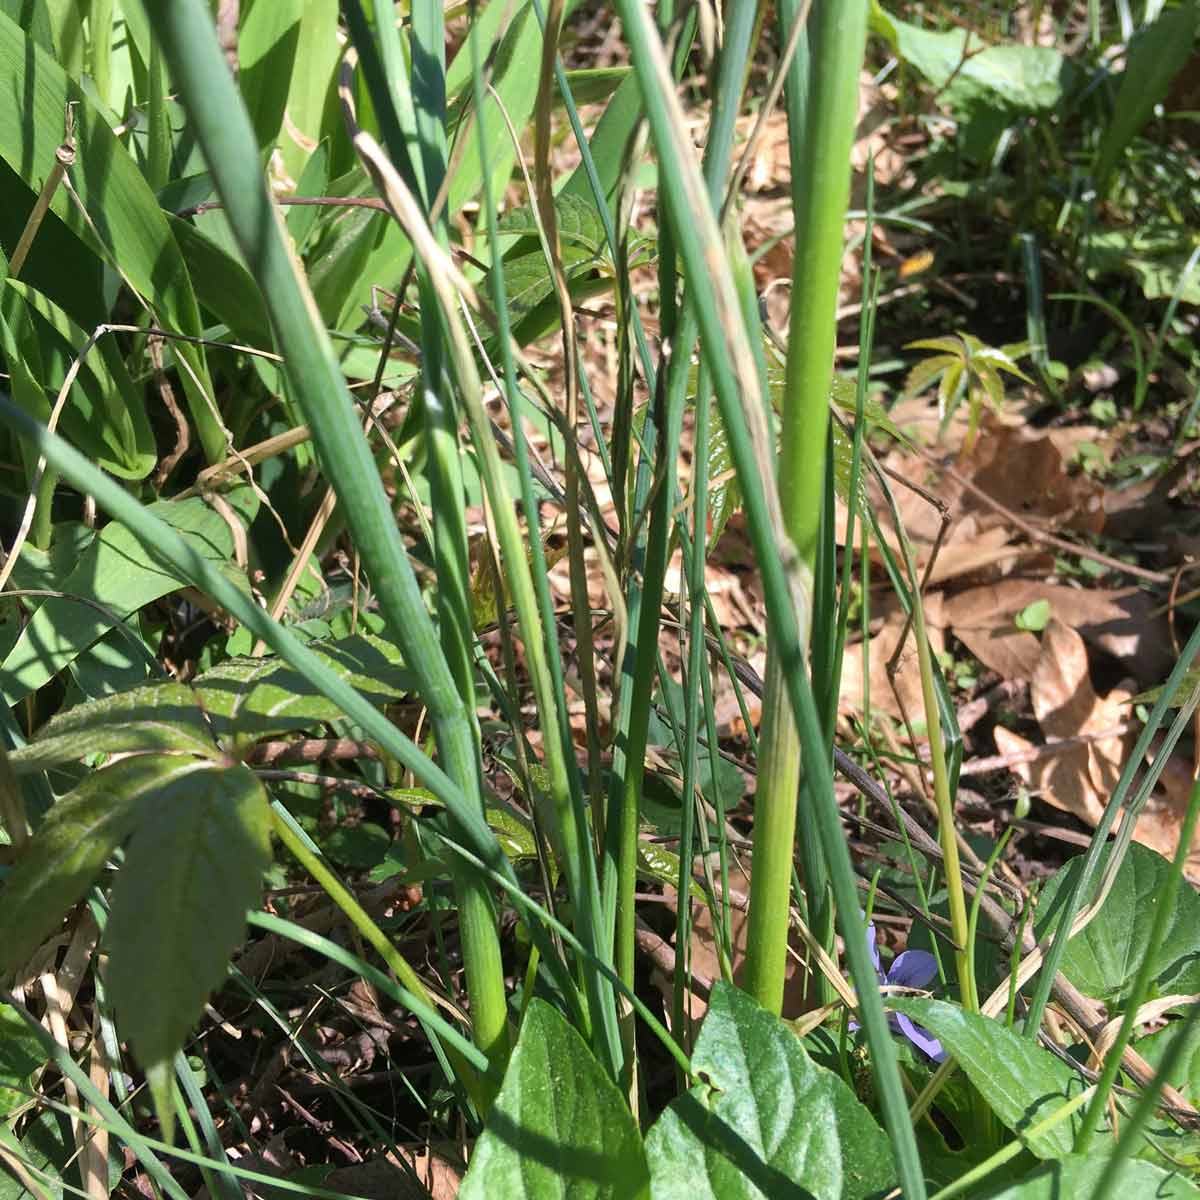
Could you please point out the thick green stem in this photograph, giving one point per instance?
(837, 36)
(774, 839)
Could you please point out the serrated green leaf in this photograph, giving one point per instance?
(773, 1124)
(1000, 360)
(527, 278)
(160, 717)
(844, 395)
(1078, 1175)
(120, 573)
(513, 832)
(926, 371)
(951, 345)
(559, 1128)
(659, 865)
(247, 699)
(192, 870)
(724, 491)
(70, 848)
(578, 223)
(1103, 959)
(948, 387)
(1021, 1082)
(843, 468)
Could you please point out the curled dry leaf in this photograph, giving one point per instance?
(1080, 779)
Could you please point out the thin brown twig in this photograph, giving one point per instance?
(1002, 762)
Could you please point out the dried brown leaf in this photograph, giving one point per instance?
(880, 650)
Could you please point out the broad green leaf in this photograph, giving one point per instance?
(247, 699)
(106, 414)
(967, 73)
(1155, 56)
(771, 1124)
(527, 278)
(592, 85)
(34, 18)
(162, 717)
(1079, 1174)
(608, 141)
(1104, 958)
(1033, 617)
(268, 34)
(360, 846)
(70, 848)
(224, 286)
(120, 573)
(1170, 1144)
(559, 1128)
(48, 568)
(20, 1055)
(1156, 253)
(18, 344)
(1186, 1078)
(317, 55)
(47, 1149)
(1021, 1082)
(192, 869)
(361, 250)
(121, 209)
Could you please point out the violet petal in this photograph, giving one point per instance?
(913, 969)
(921, 1038)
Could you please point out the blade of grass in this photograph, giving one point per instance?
(189, 45)
(626, 801)
(1071, 902)
(724, 345)
(1163, 913)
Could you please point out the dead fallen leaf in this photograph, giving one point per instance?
(1079, 779)
(1117, 620)
(1029, 477)
(880, 650)
(424, 1175)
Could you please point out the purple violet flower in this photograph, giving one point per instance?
(910, 969)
